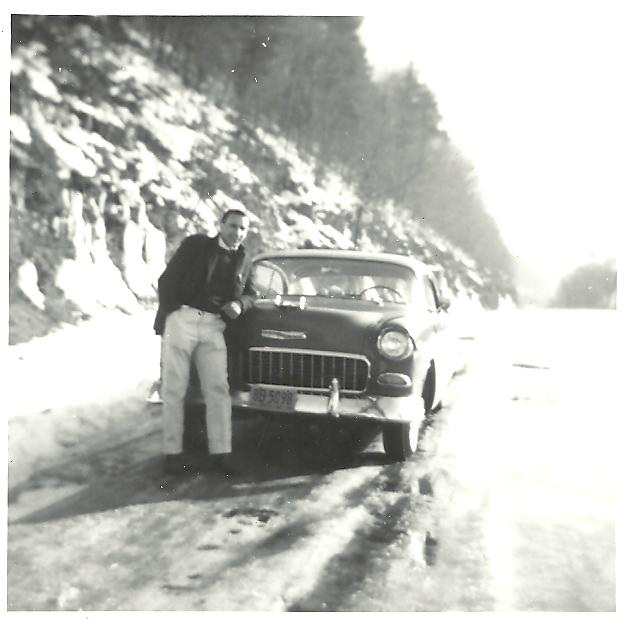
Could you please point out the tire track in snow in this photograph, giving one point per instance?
(279, 566)
(387, 534)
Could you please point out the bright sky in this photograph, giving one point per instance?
(537, 94)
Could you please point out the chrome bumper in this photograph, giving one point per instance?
(380, 408)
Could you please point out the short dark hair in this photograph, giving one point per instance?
(232, 211)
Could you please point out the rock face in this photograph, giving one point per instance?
(144, 247)
(90, 279)
(154, 252)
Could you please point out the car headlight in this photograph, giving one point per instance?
(395, 344)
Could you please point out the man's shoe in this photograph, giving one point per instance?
(176, 464)
(221, 465)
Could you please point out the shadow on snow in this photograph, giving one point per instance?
(270, 455)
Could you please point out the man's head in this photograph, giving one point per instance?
(234, 227)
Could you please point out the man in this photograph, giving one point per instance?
(205, 285)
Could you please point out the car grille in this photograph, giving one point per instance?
(305, 370)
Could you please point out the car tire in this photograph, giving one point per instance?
(429, 389)
(194, 439)
(400, 439)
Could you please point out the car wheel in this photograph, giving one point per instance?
(194, 439)
(400, 439)
(429, 390)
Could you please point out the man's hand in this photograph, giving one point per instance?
(232, 309)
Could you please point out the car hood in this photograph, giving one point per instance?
(319, 323)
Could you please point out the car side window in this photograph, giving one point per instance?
(429, 295)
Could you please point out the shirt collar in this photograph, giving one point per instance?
(224, 245)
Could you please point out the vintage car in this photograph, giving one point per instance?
(342, 335)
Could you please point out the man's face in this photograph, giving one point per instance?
(234, 230)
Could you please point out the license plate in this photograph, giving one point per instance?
(273, 399)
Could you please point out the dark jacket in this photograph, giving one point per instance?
(187, 272)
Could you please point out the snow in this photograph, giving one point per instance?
(135, 35)
(474, 277)
(178, 140)
(19, 129)
(338, 195)
(301, 171)
(338, 239)
(320, 236)
(149, 167)
(324, 513)
(91, 280)
(229, 163)
(64, 385)
(69, 154)
(187, 110)
(218, 121)
(549, 492)
(135, 69)
(27, 281)
(103, 113)
(42, 85)
(506, 304)
(86, 141)
(31, 59)
(514, 484)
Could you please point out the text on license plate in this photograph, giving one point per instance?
(273, 399)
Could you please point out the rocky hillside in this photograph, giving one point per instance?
(114, 161)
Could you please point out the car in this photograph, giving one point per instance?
(341, 335)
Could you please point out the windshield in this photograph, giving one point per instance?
(339, 278)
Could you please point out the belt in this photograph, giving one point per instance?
(217, 313)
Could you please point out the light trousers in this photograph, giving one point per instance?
(190, 333)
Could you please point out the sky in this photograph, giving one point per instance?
(539, 96)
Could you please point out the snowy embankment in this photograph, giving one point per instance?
(76, 384)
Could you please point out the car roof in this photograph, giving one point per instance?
(407, 261)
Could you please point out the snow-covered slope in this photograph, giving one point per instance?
(114, 161)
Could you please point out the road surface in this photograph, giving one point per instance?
(508, 505)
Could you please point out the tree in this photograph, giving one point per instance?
(589, 286)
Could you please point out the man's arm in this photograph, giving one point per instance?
(233, 309)
(174, 271)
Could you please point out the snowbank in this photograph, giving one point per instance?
(76, 383)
